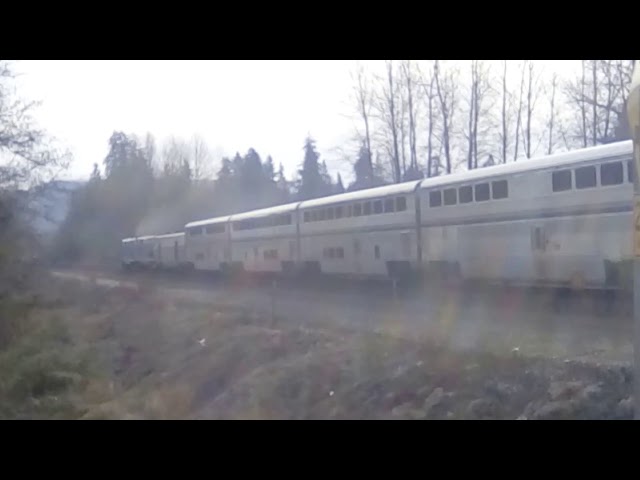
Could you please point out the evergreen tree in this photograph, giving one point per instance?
(326, 179)
(339, 186)
(283, 185)
(95, 174)
(363, 170)
(312, 184)
(269, 169)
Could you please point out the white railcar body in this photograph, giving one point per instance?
(562, 219)
(265, 240)
(208, 244)
(169, 250)
(367, 232)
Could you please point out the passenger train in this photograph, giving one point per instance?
(558, 220)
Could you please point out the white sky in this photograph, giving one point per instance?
(268, 105)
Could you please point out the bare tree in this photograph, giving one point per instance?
(28, 157)
(551, 122)
(477, 111)
(582, 103)
(471, 132)
(402, 124)
(431, 100)
(533, 91)
(387, 105)
(446, 89)
(412, 105)
(175, 156)
(201, 161)
(28, 163)
(594, 109)
(364, 101)
(599, 99)
(504, 135)
(519, 112)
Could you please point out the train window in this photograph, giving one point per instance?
(218, 228)
(195, 231)
(630, 171)
(401, 204)
(339, 252)
(482, 192)
(585, 177)
(330, 213)
(465, 194)
(349, 211)
(270, 254)
(322, 215)
(500, 189)
(339, 212)
(561, 180)
(388, 205)
(367, 208)
(329, 252)
(307, 217)
(287, 219)
(450, 196)
(435, 198)
(611, 174)
(357, 210)
(376, 252)
(377, 206)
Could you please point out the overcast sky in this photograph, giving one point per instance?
(268, 105)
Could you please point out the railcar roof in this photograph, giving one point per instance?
(265, 212)
(208, 221)
(611, 150)
(171, 235)
(398, 188)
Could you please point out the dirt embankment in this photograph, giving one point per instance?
(146, 357)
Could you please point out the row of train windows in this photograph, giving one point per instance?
(562, 180)
(264, 222)
(374, 207)
(209, 229)
(270, 254)
(331, 252)
(467, 194)
(585, 177)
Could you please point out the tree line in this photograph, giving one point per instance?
(140, 190)
(428, 118)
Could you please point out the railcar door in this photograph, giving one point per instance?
(357, 255)
(539, 249)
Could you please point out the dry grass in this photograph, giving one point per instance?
(136, 354)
